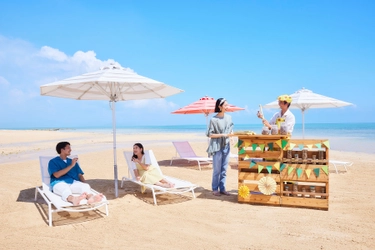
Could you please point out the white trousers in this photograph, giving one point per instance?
(64, 189)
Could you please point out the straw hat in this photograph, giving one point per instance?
(286, 98)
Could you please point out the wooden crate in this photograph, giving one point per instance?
(250, 179)
(246, 149)
(304, 173)
(258, 159)
(257, 147)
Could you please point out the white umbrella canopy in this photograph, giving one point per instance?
(112, 83)
(304, 99)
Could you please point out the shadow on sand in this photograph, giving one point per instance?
(59, 218)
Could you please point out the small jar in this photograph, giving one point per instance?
(304, 154)
(295, 190)
(312, 190)
(274, 130)
(304, 191)
(320, 154)
(289, 154)
(265, 130)
(283, 129)
(286, 188)
(296, 157)
(313, 159)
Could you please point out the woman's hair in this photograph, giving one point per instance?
(219, 103)
(139, 146)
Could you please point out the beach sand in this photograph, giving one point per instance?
(178, 222)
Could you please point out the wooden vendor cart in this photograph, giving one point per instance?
(279, 171)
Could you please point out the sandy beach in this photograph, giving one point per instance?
(178, 222)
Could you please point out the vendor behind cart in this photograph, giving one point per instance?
(283, 116)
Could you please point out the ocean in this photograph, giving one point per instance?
(353, 137)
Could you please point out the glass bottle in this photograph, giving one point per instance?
(304, 154)
(274, 130)
(312, 190)
(320, 154)
(265, 130)
(295, 190)
(283, 129)
(314, 159)
(286, 188)
(296, 158)
(289, 154)
(304, 191)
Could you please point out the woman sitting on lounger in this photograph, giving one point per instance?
(144, 171)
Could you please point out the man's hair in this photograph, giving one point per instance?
(61, 145)
(285, 102)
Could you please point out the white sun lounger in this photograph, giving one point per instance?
(181, 186)
(54, 201)
(185, 151)
(344, 164)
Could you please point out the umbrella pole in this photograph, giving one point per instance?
(208, 138)
(114, 146)
(303, 124)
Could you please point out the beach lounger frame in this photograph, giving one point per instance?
(345, 164)
(181, 186)
(54, 201)
(186, 152)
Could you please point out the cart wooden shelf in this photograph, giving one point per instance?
(299, 167)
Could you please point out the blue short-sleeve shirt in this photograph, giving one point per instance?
(56, 164)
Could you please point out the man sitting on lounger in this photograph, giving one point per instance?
(67, 177)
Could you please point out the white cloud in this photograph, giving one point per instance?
(17, 96)
(3, 81)
(24, 68)
(14, 52)
(81, 61)
(43, 65)
(88, 61)
(53, 54)
(151, 104)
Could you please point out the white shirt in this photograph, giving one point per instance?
(289, 118)
(145, 159)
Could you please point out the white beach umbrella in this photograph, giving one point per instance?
(112, 83)
(304, 99)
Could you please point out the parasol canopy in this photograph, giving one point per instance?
(206, 106)
(305, 99)
(113, 83)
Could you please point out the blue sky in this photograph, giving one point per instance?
(246, 51)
